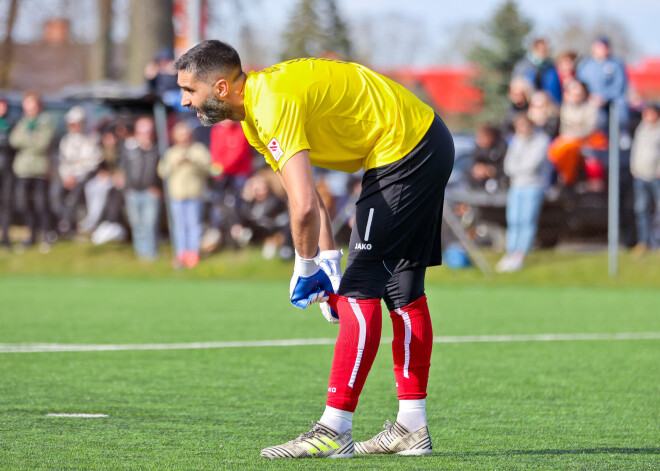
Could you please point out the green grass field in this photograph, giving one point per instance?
(576, 404)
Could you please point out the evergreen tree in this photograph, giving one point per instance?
(336, 31)
(304, 34)
(315, 27)
(503, 46)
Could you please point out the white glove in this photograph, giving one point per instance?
(330, 263)
(309, 283)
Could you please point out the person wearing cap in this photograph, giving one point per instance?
(32, 137)
(605, 77)
(79, 158)
(161, 77)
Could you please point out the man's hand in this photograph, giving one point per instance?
(330, 263)
(309, 283)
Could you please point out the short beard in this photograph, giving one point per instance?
(213, 111)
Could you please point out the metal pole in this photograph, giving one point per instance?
(470, 247)
(613, 193)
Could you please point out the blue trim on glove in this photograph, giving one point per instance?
(310, 289)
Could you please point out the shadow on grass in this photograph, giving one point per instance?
(580, 451)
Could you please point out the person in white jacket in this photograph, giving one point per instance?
(525, 164)
(79, 158)
(645, 167)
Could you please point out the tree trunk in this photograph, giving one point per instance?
(8, 46)
(151, 28)
(101, 62)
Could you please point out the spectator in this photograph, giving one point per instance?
(577, 129)
(263, 218)
(161, 77)
(6, 176)
(566, 64)
(538, 69)
(142, 191)
(185, 168)
(525, 164)
(79, 158)
(32, 137)
(487, 170)
(544, 114)
(97, 189)
(231, 165)
(605, 78)
(645, 168)
(520, 91)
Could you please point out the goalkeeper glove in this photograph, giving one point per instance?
(330, 262)
(309, 283)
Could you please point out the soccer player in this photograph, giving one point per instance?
(343, 116)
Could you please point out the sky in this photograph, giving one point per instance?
(407, 32)
(438, 19)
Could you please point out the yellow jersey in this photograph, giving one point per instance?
(347, 116)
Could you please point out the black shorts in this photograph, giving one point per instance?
(399, 211)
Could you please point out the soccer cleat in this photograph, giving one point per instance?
(320, 442)
(397, 439)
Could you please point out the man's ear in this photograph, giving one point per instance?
(221, 88)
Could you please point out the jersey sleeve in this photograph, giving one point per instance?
(281, 128)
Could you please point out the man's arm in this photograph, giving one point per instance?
(310, 222)
(309, 283)
(326, 239)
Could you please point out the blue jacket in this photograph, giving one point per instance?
(542, 76)
(606, 79)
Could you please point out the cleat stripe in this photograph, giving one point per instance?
(328, 441)
(423, 444)
(272, 453)
(319, 444)
(309, 448)
(348, 448)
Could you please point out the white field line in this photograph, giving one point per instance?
(79, 416)
(59, 347)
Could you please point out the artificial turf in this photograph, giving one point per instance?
(501, 405)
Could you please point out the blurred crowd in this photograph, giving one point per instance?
(555, 137)
(208, 191)
(110, 182)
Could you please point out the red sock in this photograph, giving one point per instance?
(355, 350)
(411, 348)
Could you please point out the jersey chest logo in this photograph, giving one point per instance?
(275, 149)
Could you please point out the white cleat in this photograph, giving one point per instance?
(320, 442)
(396, 439)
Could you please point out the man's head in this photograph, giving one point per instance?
(182, 134)
(75, 119)
(212, 79)
(31, 105)
(144, 132)
(651, 114)
(575, 92)
(540, 49)
(523, 125)
(485, 135)
(3, 107)
(600, 49)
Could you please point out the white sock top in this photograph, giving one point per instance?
(412, 414)
(337, 419)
